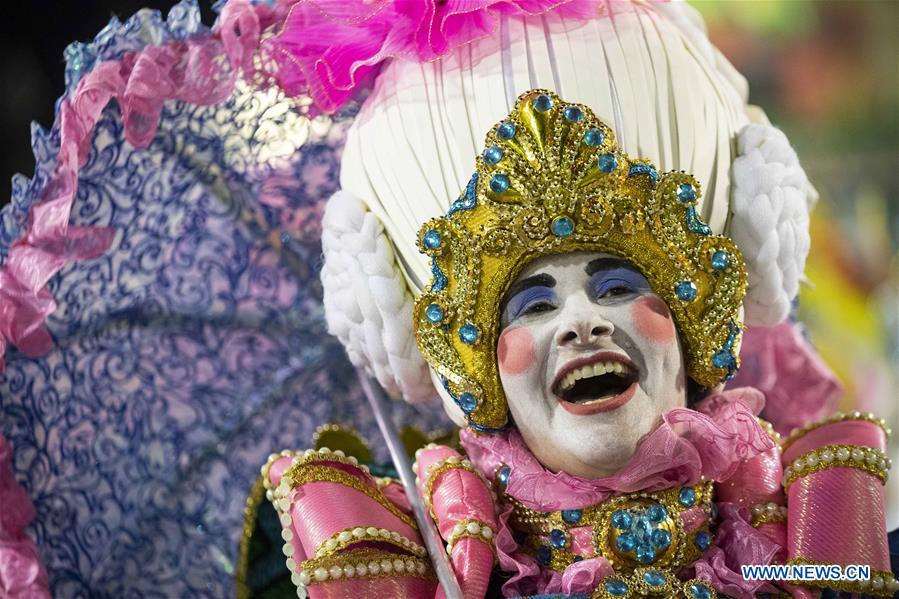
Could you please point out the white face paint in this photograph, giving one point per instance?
(589, 360)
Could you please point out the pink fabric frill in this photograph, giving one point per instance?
(687, 445)
(140, 82)
(21, 573)
(799, 387)
(326, 48)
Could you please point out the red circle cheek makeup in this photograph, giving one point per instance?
(653, 319)
(515, 350)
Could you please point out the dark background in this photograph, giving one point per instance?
(34, 35)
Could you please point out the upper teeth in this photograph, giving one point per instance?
(591, 370)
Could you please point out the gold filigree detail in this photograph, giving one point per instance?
(553, 181)
(680, 552)
(873, 461)
(304, 473)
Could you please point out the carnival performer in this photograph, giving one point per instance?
(559, 217)
(579, 316)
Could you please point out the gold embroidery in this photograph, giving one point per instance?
(838, 417)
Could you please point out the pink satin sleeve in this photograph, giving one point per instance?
(836, 515)
(459, 499)
(346, 534)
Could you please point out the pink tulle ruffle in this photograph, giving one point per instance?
(778, 361)
(328, 47)
(21, 572)
(687, 445)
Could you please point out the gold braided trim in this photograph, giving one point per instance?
(838, 417)
(251, 508)
(301, 474)
(636, 586)
(881, 583)
(438, 469)
(873, 461)
(363, 563)
(767, 513)
(471, 529)
(350, 536)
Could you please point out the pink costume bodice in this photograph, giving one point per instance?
(716, 473)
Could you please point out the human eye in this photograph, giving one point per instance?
(531, 301)
(618, 283)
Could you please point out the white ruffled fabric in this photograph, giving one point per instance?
(770, 222)
(369, 305)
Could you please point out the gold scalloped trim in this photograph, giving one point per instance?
(879, 467)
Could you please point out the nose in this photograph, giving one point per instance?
(582, 324)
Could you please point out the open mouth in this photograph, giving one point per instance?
(596, 386)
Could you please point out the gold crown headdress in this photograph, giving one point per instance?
(552, 181)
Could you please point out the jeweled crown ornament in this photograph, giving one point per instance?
(551, 180)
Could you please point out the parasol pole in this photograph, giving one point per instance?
(429, 532)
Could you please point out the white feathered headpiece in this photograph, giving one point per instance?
(650, 73)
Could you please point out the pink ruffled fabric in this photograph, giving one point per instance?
(737, 543)
(328, 47)
(799, 388)
(140, 82)
(21, 573)
(687, 445)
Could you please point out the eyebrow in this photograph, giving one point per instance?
(540, 280)
(594, 266)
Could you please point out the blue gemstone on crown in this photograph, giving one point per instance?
(506, 131)
(432, 239)
(502, 475)
(499, 183)
(687, 497)
(573, 114)
(720, 260)
(645, 554)
(434, 313)
(467, 402)
(594, 137)
(542, 103)
(686, 193)
(607, 163)
(572, 516)
(685, 290)
(702, 541)
(656, 512)
(557, 538)
(622, 519)
(562, 226)
(625, 542)
(661, 538)
(699, 591)
(544, 555)
(654, 578)
(468, 333)
(493, 154)
(616, 588)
